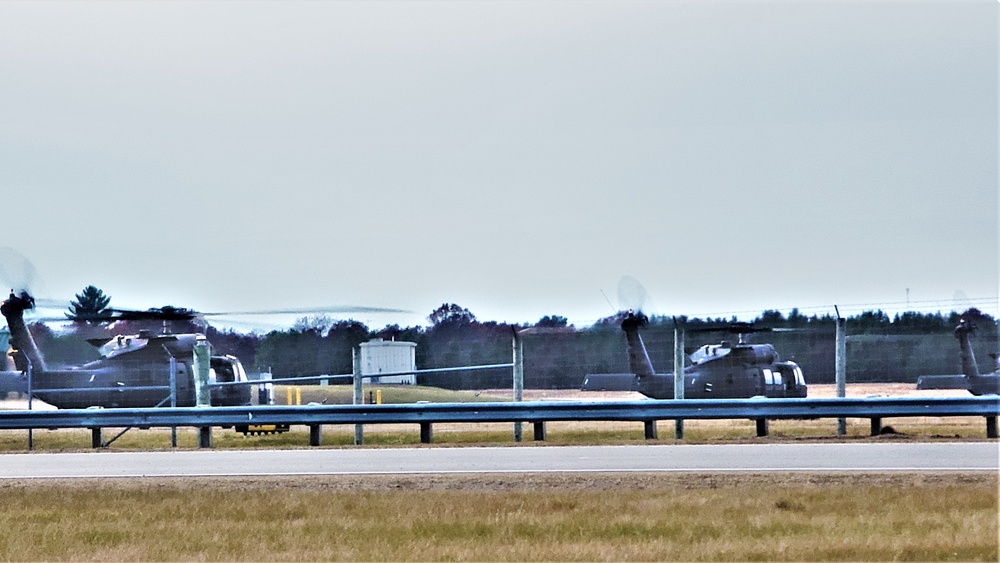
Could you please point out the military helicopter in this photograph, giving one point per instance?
(970, 379)
(133, 372)
(718, 371)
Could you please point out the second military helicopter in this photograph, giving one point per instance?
(718, 371)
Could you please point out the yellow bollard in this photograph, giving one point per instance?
(378, 396)
(298, 395)
(289, 390)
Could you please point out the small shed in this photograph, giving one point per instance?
(388, 356)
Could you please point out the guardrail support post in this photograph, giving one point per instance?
(539, 427)
(95, 438)
(649, 429)
(315, 435)
(762, 427)
(876, 425)
(205, 437)
(426, 433)
(991, 427)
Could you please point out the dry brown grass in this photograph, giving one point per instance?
(493, 517)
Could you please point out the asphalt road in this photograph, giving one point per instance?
(957, 456)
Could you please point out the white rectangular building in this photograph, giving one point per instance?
(383, 356)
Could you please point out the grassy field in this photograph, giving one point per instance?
(604, 517)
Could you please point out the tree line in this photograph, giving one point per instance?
(556, 354)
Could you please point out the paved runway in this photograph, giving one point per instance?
(957, 456)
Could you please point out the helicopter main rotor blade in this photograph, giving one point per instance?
(48, 303)
(306, 311)
(33, 320)
(18, 274)
(730, 328)
(157, 314)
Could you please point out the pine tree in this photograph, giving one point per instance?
(91, 306)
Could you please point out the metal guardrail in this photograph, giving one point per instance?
(532, 412)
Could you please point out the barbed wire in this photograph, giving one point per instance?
(988, 305)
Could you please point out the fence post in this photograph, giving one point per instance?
(359, 429)
(678, 374)
(518, 345)
(840, 366)
(202, 392)
(201, 366)
(31, 391)
(173, 397)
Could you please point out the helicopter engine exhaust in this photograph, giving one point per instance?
(638, 358)
(20, 338)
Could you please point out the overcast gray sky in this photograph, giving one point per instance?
(516, 158)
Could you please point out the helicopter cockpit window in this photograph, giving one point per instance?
(223, 372)
(790, 375)
(709, 352)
